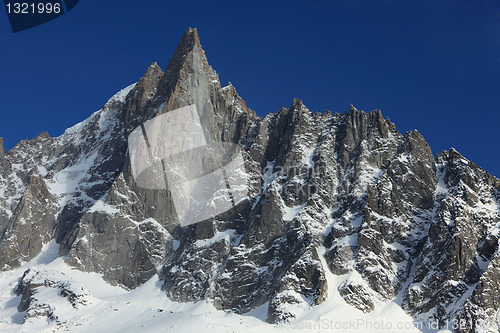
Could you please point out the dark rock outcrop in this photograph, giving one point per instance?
(2, 149)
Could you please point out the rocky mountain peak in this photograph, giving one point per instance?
(144, 92)
(189, 44)
(188, 41)
(352, 108)
(188, 62)
(154, 70)
(416, 144)
(339, 206)
(297, 102)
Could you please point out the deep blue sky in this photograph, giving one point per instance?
(428, 65)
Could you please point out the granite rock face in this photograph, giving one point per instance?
(342, 193)
(2, 149)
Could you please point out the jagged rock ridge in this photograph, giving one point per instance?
(386, 215)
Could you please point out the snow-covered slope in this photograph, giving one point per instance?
(64, 298)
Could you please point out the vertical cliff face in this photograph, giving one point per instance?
(341, 193)
(2, 149)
